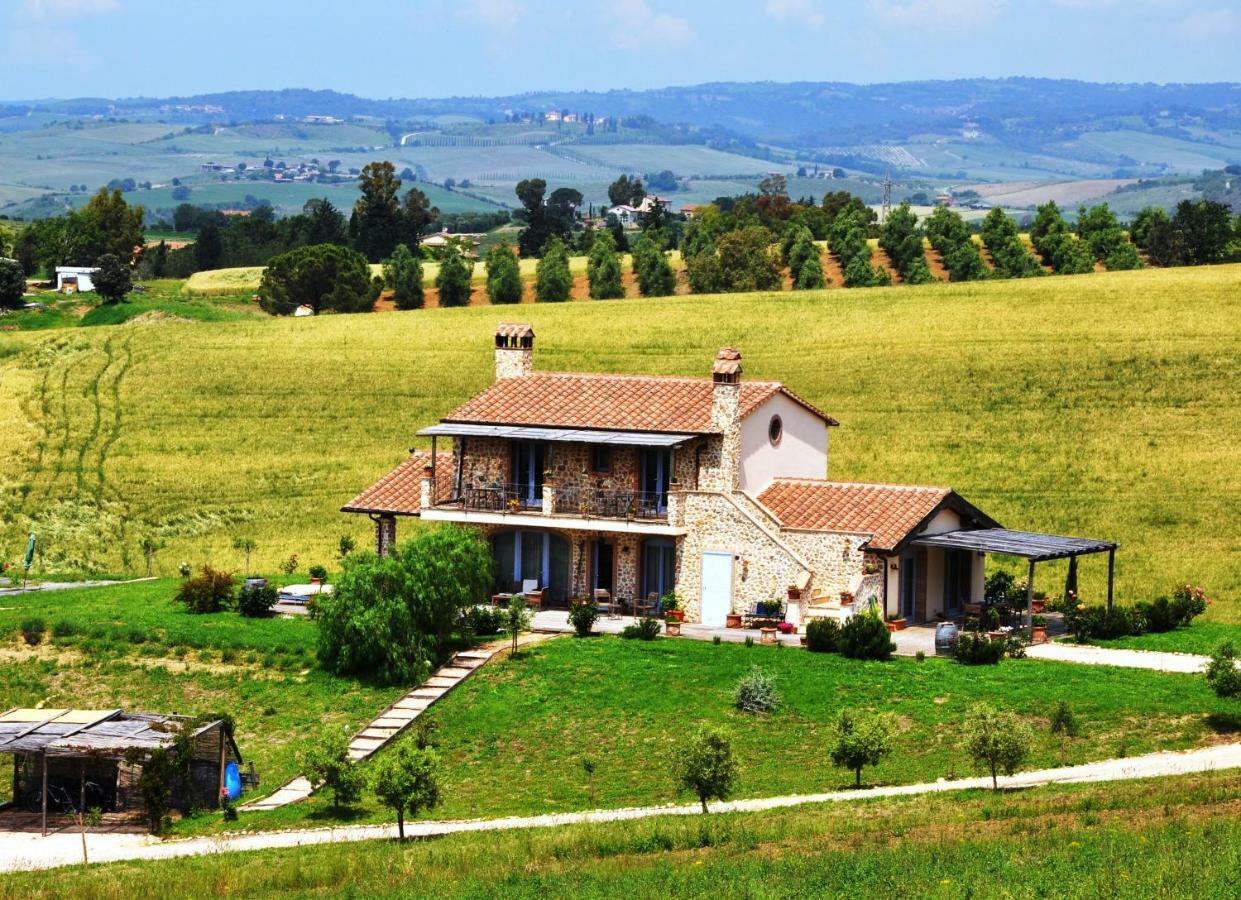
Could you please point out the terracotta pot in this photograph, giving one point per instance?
(891, 627)
(1038, 634)
(672, 628)
(675, 615)
(803, 640)
(794, 594)
(733, 620)
(1038, 606)
(897, 624)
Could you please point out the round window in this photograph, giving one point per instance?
(775, 430)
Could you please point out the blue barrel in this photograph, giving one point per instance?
(232, 781)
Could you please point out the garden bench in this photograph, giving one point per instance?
(759, 617)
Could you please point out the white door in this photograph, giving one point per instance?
(717, 587)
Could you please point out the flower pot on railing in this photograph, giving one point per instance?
(794, 593)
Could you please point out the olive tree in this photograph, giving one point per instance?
(861, 740)
(707, 767)
(12, 284)
(997, 741)
(112, 278)
(404, 779)
(328, 765)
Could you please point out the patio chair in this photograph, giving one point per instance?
(536, 599)
(604, 601)
(647, 607)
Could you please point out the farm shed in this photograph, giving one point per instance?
(60, 753)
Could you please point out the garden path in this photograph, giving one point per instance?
(25, 851)
(1115, 656)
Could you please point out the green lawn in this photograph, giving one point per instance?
(131, 647)
(1176, 837)
(1099, 405)
(512, 738)
(1200, 637)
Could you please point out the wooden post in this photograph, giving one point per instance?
(1030, 597)
(44, 800)
(434, 480)
(1111, 575)
(219, 794)
(82, 785)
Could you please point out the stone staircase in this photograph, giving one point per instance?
(401, 714)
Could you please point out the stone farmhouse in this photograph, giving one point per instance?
(716, 488)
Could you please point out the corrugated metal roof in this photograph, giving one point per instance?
(69, 732)
(1026, 544)
(557, 435)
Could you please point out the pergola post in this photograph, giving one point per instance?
(82, 785)
(1030, 597)
(1111, 575)
(44, 796)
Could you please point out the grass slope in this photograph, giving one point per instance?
(1167, 837)
(132, 647)
(1102, 405)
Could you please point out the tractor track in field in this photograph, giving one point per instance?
(91, 393)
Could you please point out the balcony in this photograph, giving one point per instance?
(564, 506)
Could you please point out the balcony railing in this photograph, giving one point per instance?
(572, 500)
(501, 498)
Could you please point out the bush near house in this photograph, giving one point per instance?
(482, 620)
(209, 592)
(823, 635)
(256, 601)
(582, 616)
(866, 637)
(1087, 623)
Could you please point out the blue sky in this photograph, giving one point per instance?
(412, 48)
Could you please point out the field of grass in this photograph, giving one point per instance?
(512, 738)
(1201, 638)
(1101, 405)
(133, 647)
(1168, 838)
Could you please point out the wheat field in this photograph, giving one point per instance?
(1104, 405)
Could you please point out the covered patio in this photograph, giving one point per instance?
(1034, 547)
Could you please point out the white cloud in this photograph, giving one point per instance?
(636, 25)
(797, 12)
(65, 9)
(498, 14)
(1208, 25)
(938, 15)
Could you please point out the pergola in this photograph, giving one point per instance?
(1029, 545)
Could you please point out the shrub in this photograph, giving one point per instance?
(209, 592)
(1189, 602)
(997, 741)
(756, 692)
(823, 635)
(321, 276)
(861, 740)
(328, 765)
(1063, 721)
(453, 281)
(405, 780)
(12, 283)
(289, 566)
(978, 649)
(256, 601)
(32, 630)
(1086, 622)
(64, 629)
(553, 280)
(866, 637)
(483, 620)
(403, 271)
(317, 571)
(1222, 673)
(646, 629)
(582, 616)
(707, 766)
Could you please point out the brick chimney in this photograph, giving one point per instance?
(720, 472)
(514, 350)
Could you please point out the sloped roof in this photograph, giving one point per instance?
(399, 492)
(886, 512)
(616, 402)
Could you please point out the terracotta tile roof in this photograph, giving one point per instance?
(400, 491)
(887, 512)
(614, 402)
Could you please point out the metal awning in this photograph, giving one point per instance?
(557, 435)
(1029, 545)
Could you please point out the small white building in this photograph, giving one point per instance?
(74, 279)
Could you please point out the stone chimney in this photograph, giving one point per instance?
(514, 350)
(721, 467)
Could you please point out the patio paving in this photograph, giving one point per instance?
(556, 621)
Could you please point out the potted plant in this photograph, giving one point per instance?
(847, 598)
(513, 504)
(1038, 602)
(318, 574)
(870, 567)
(786, 627)
(671, 605)
(1038, 629)
(991, 620)
(672, 627)
(732, 620)
(582, 615)
(896, 623)
(794, 593)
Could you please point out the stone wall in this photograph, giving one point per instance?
(763, 568)
(488, 461)
(836, 559)
(626, 559)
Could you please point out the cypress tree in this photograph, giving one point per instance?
(403, 272)
(553, 281)
(603, 269)
(453, 281)
(651, 266)
(503, 275)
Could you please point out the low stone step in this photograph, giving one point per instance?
(441, 681)
(397, 722)
(413, 705)
(427, 693)
(457, 672)
(366, 743)
(481, 655)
